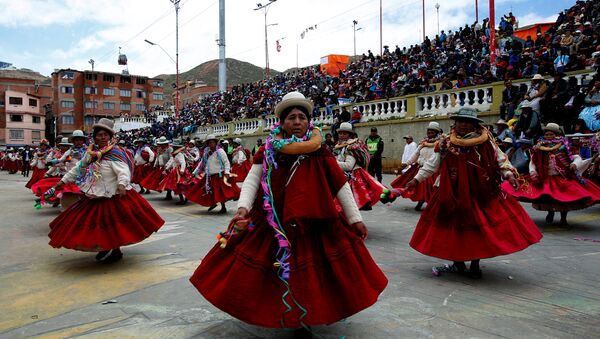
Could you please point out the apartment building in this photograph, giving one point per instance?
(81, 98)
(24, 104)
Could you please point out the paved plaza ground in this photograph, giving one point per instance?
(549, 290)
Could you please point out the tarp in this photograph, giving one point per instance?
(532, 30)
(332, 64)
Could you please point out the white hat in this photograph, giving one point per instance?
(105, 124)
(237, 141)
(345, 127)
(225, 141)
(162, 141)
(434, 126)
(78, 134)
(65, 142)
(508, 140)
(501, 122)
(211, 137)
(552, 127)
(293, 99)
(537, 77)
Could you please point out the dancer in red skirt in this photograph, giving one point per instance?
(287, 214)
(553, 183)
(10, 162)
(60, 162)
(240, 164)
(163, 154)
(424, 190)
(111, 214)
(353, 157)
(469, 217)
(144, 160)
(38, 163)
(212, 184)
(177, 175)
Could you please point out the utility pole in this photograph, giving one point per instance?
(380, 28)
(437, 8)
(222, 60)
(423, 20)
(265, 9)
(492, 45)
(354, 23)
(176, 3)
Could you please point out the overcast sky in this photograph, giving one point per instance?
(44, 35)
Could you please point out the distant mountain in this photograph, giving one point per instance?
(238, 72)
(25, 73)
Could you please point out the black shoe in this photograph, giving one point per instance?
(212, 207)
(550, 217)
(366, 208)
(168, 198)
(474, 274)
(419, 206)
(302, 333)
(181, 202)
(102, 255)
(454, 268)
(223, 210)
(114, 256)
(147, 191)
(142, 191)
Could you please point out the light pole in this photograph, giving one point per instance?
(265, 9)
(354, 23)
(437, 8)
(177, 77)
(93, 90)
(423, 20)
(176, 4)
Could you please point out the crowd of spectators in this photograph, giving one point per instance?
(454, 59)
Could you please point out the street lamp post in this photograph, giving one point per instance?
(265, 9)
(176, 4)
(177, 77)
(354, 23)
(437, 8)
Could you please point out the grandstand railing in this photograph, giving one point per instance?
(125, 123)
(485, 98)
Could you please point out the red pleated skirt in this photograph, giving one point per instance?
(40, 187)
(365, 189)
(36, 175)
(152, 179)
(105, 223)
(332, 275)
(219, 192)
(10, 166)
(556, 193)
(422, 192)
(481, 229)
(175, 181)
(241, 170)
(139, 172)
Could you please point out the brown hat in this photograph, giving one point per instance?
(105, 124)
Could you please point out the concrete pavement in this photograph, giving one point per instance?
(550, 290)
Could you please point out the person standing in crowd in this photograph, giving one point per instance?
(423, 192)
(353, 157)
(154, 176)
(58, 160)
(240, 164)
(521, 156)
(529, 125)
(409, 149)
(26, 157)
(38, 163)
(510, 96)
(176, 174)
(143, 160)
(211, 186)
(257, 146)
(469, 218)
(553, 184)
(375, 146)
(111, 214)
(287, 212)
(11, 161)
(192, 154)
(503, 132)
(589, 114)
(535, 93)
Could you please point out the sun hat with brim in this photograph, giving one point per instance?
(468, 114)
(508, 140)
(162, 141)
(537, 77)
(552, 127)
(138, 140)
(345, 127)
(65, 142)
(237, 141)
(501, 122)
(293, 99)
(211, 137)
(105, 124)
(77, 134)
(434, 126)
(44, 142)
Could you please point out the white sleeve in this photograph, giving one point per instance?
(348, 164)
(250, 187)
(431, 166)
(65, 155)
(181, 162)
(346, 199)
(72, 175)
(503, 162)
(170, 164)
(226, 164)
(241, 157)
(122, 171)
(415, 156)
(150, 153)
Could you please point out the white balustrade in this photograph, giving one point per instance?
(393, 108)
(220, 130)
(442, 104)
(246, 126)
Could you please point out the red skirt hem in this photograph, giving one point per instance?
(37, 175)
(365, 189)
(219, 192)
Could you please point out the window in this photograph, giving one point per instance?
(140, 81)
(36, 120)
(17, 134)
(68, 76)
(90, 76)
(125, 107)
(33, 102)
(158, 83)
(36, 135)
(68, 120)
(125, 80)
(67, 89)
(91, 104)
(109, 105)
(67, 104)
(108, 91)
(125, 93)
(15, 101)
(88, 120)
(157, 96)
(91, 90)
(2, 103)
(140, 94)
(16, 118)
(108, 78)
(140, 107)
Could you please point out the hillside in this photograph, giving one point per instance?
(24, 73)
(238, 72)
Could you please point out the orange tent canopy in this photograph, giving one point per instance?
(531, 30)
(332, 64)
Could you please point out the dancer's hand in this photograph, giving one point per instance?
(411, 184)
(361, 230)
(121, 190)
(513, 181)
(241, 214)
(59, 186)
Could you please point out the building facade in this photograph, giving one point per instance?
(24, 104)
(81, 98)
(191, 92)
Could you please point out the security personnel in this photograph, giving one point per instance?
(375, 147)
